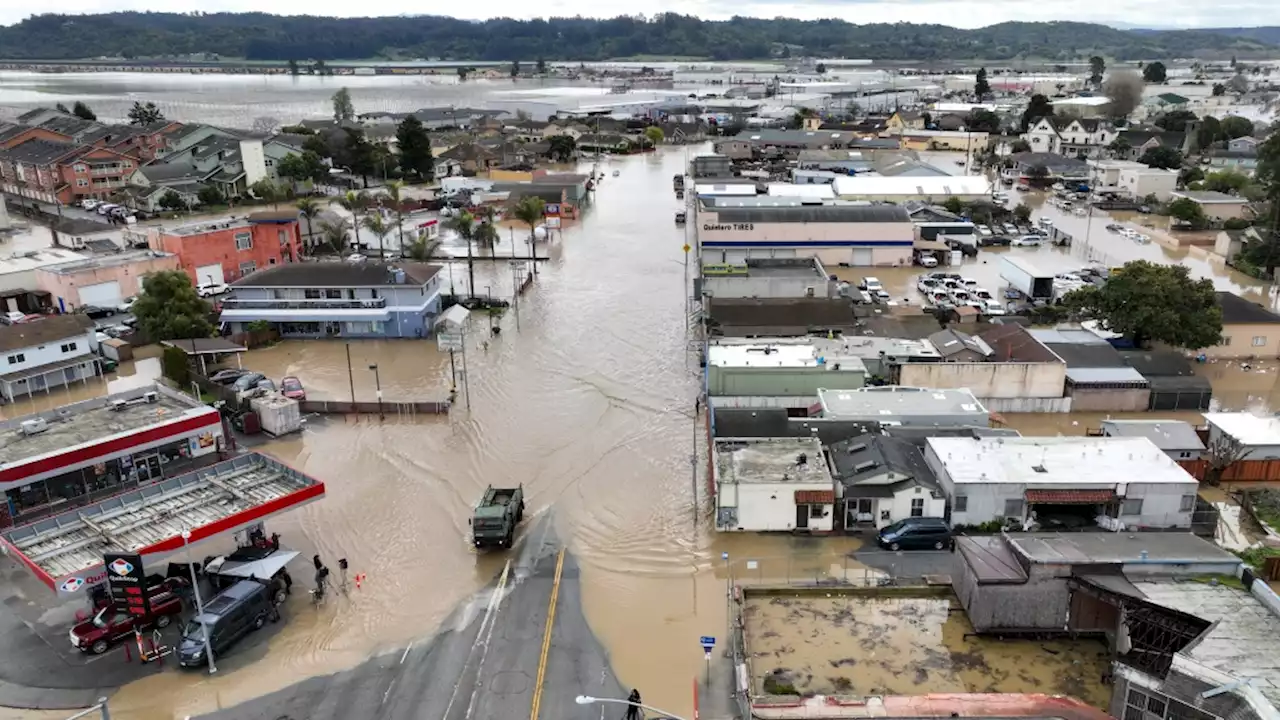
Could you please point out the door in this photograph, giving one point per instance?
(802, 517)
(209, 275)
(104, 295)
(862, 257)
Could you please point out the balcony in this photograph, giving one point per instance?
(318, 304)
(107, 169)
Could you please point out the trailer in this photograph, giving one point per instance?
(1026, 278)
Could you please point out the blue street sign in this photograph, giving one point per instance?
(708, 642)
(724, 555)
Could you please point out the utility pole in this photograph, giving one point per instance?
(351, 378)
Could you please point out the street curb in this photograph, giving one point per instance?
(24, 697)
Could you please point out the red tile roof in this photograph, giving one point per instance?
(815, 497)
(1070, 497)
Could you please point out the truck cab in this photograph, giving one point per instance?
(496, 516)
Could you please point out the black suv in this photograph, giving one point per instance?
(916, 533)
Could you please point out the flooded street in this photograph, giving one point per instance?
(847, 645)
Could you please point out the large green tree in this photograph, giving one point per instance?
(147, 114)
(1234, 126)
(1150, 302)
(303, 167)
(1175, 120)
(981, 87)
(1155, 73)
(1038, 107)
(83, 111)
(1162, 157)
(1189, 212)
(343, 109)
(169, 308)
(1097, 66)
(414, 145)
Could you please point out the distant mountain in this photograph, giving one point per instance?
(1268, 35)
(259, 36)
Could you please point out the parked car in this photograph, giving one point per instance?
(291, 387)
(90, 203)
(226, 377)
(928, 261)
(117, 331)
(266, 385)
(870, 284)
(1009, 229)
(211, 289)
(105, 208)
(109, 625)
(916, 533)
(994, 241)
(1026, 240)
(247, 382)
(984, 231)
(96, 313)
(127, 305)
(234, 613)
(13, 317)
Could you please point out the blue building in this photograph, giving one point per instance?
(338, 299)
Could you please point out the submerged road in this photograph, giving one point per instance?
(519, 649)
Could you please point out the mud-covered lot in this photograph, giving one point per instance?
(850, 645)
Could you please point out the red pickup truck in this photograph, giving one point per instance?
(109, 625)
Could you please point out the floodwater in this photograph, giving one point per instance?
(850, 645)
(139, 372)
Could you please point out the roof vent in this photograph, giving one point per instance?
(1039, 468)
(118, 405)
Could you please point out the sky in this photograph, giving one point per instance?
(959, 13)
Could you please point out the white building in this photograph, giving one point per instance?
(1138, 183)
(18, 271)
(881, 480)
(53, 352)
(912, 406)
(900, 189)
(1260, 436)
(1074, 137)
(1176, 438)
(1127, 481)
(772, 485)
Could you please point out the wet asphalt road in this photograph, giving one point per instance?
(483, 664)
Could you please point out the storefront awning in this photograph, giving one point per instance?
(1070, 497)
(815, 497)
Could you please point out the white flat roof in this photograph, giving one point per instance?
(1249, 429)
(807, 190)
(1086, 101)
(20, 262)
(906, 186)
(1071, 461)
(894, 400)
(767, 355)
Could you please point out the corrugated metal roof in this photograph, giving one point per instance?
(816, 213)
(1083, 376)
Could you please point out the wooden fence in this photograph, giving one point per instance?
(386, 407)
(1239, 471)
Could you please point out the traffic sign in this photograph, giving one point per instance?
(707, 642)
(448, 341)
(687, 248)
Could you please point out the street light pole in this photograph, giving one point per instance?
(195, 587)
(588, 700)
(377, 382)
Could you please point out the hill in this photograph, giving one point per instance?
(1268, 35)
(259, 36)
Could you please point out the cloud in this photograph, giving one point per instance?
(958, 13)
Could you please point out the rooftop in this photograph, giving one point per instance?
(779, 356)
(22, 262)
(1070, 461)
(1249, 429)
(1166, 434)
(793, 212)
(76, 541)
(875, 457)
(1209, 197)
(911, 185)
(768, 268)
(891, 401)
(771, 460)
(76, 226)
(337, 274)
(1236, 309)
(1105, 376)
(45, 330)
(1117, 548)
(105, 261)
(1241, 640)
(950, 342)
(92, 420)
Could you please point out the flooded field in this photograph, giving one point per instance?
(839, 645)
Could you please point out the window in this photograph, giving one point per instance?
(961, 503)
(17, 358)
(1131, 506)
(81, 167)
(270, 162)
(1013, 507)
(68, 347)
(311, 294)
(247, 268)
(1259, 340)
(283, 237)
(244, 241)
(917, 507)
(1226, 340)
(1187, 504)
(333, 294)
(815, 511)
(81, 182)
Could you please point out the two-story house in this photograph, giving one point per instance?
(332, 300)
(32, 170)
(1240, 154)
(214, 253)
(94, 172)
(904, 120)
(51, 352)
(1073, 137)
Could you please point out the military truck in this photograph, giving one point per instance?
(496, 517)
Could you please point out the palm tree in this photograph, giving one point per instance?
(394, 189)
(422, 249)
(486, 234)
(335, 234)
(374, 223)
(464, 223)
(309, 208)
(531, 211)
(355, 203)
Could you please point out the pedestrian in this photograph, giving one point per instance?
(288, 582)
(316, 560)
(633, 705)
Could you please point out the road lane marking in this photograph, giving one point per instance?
(489, 611)
(475, 689)
(546, 638)
(406, 652)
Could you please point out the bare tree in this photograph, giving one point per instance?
(265, 125)
(1124, 89)
(1223, 452)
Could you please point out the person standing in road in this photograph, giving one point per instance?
(633, 707)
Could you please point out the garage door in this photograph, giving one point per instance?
(862, 257)
(105, 294)
(209, 275)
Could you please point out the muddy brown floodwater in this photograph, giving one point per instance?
(843, 645)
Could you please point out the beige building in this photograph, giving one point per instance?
(1216, 205)
(1248, 330)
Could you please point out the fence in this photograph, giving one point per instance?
(386, 407)
(99, 710)
(869, 568)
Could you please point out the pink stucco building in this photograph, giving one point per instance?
(102, 280)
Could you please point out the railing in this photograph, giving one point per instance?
(862, 568)
(107, 170)
(99, 710)
(316, 304)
